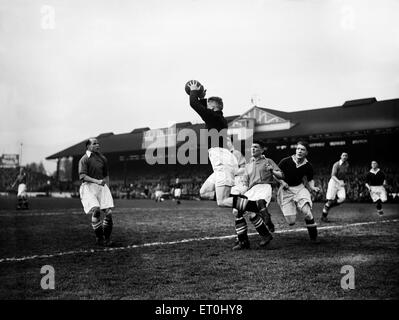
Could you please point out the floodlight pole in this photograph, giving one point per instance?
(20, 155)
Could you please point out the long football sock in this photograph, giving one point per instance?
(263, 212)
(312, 229)
(260, 226)
(97, 225)
(379, 206)
(243, 204)
(107, 225)
(241, 229)
(329, 204)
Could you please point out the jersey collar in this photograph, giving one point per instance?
(260, 158)
(88, 153)
(299, 164)
(374, 172)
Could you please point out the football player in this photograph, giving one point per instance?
(293, 195)
(336, 186)
(375, 182)
(176, 191)
(94, 192)
(223, 162)
(22, 196)
(257, 178)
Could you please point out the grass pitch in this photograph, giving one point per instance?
(169, 251)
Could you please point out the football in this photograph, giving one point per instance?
(187, 88)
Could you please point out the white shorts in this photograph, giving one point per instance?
(224, 165)
(158, 194)
(335, 189)
(93, 195)
(260, 192)
(239, 189)
(293, 199)
(378, 193)
(177, 192)
(21, 190)
(209, 185)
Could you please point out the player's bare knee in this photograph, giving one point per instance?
(307, 212)
(252, 215)
(107, 212)
(95, 212)
(290, 220)
(207, 195)
(235, 213)
(222, 203)
(202, 193)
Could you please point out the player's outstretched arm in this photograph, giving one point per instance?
(195, 95)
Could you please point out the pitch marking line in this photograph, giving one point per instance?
(153, 244)
(39, 213)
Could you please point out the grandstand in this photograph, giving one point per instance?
(366, 128)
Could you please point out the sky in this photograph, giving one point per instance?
(72, 69)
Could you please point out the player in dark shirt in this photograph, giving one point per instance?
(176, 191)
(94, 191)
(293, 195)
(223, 162)
(336, 193)
(375, 182)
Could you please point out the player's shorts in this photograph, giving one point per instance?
(239, 189)
(378, 193)
(177, 192)
(224, 165)
(158, 194)
(240, 185)
(21, 190)
(260, 192)
(93, 195)
(293, 199)
(209, 185)
(336, 189)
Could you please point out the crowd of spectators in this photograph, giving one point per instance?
(143, 187)
(35, 181)
(146, 189)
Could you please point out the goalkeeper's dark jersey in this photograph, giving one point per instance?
(213, 119)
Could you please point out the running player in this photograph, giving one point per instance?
(293, 195)
(258, 177)
(336, 186)
(22, 196)
(176, 191)
(375, 182)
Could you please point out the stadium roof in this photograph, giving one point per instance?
(352, 116)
